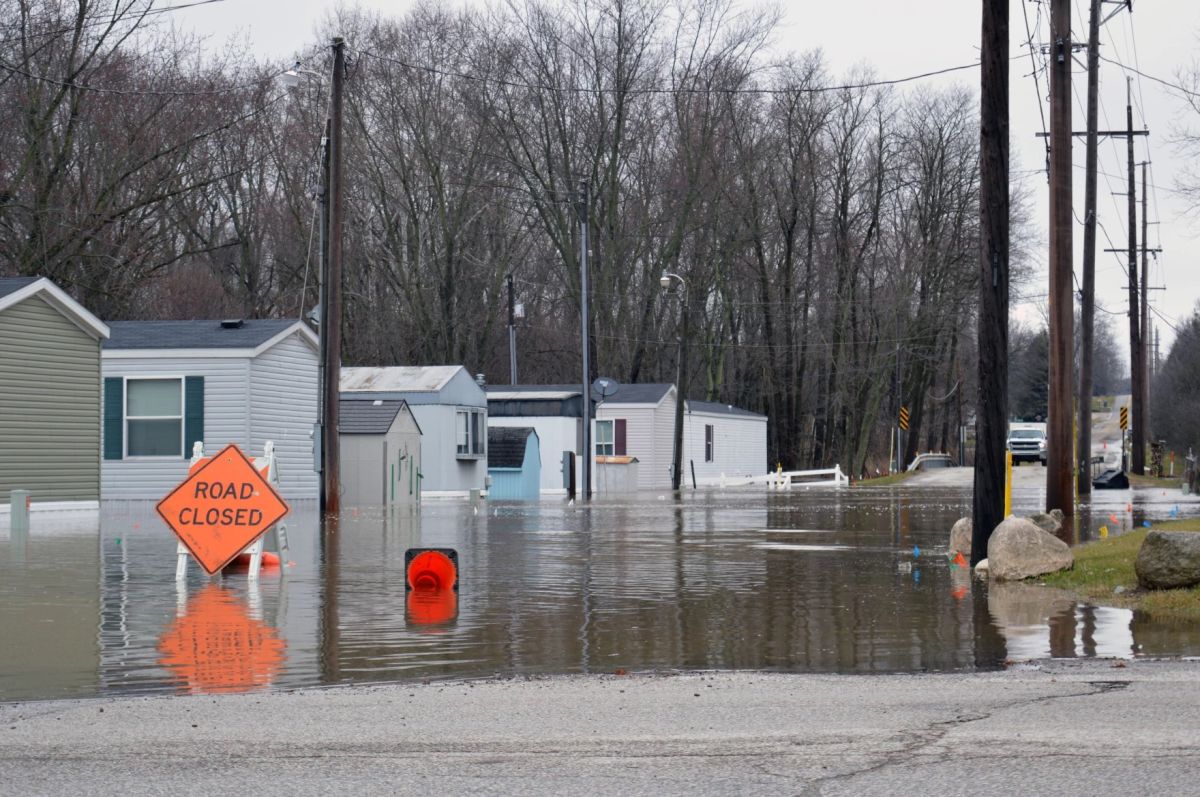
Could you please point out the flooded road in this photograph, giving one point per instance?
(812, 580)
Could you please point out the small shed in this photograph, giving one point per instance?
(381, 453)
(49, 395)
(451, 409)
(514, 463)
(169, 384)
(555, 412)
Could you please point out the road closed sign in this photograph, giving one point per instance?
(222, 507)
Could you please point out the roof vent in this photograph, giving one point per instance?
(233, 323)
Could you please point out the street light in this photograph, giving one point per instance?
(677, 460)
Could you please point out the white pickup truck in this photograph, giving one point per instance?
(1027, 441)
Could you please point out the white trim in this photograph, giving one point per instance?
(59, 300)
(306, 334)
(56, 506)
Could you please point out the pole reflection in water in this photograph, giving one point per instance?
(219, 643)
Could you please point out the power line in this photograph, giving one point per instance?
(660, 90)
(132, 18)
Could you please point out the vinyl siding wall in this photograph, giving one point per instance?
(49, 405)
(283, 408)
(739, 446)
(226, 420)
(649, 436)
(443, 471)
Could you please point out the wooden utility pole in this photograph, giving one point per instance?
(586, 448)
(331, 307)
(1138, 459)
(1087, 298)
(1059, 441)
(1144, 335)
(512, 333)
(991, 413)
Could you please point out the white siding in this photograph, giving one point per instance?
(283, 408)
(739, 446)
(443, 471)
(556, 435)
(649, 436)
(226, 420)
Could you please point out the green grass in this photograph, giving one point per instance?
(1098, 403)
(1104, 565)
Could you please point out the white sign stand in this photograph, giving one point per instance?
(267, 461)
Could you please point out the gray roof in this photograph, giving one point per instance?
(397, 378)
(650, 393)
(721, 409)
(13, 284)
(194, 334)
(506, 446)
(368, 417)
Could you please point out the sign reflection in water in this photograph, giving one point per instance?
(219, 643)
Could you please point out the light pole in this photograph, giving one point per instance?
(677, 463)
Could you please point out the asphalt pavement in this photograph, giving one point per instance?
(1060, 728)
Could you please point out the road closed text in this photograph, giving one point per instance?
(214, 516)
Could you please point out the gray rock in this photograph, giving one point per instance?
(960, 537)
(1049, 522)
(1168, 559)
(1020, 549)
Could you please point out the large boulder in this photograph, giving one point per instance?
(1168, 559)
(960, 537)
(1019, 549)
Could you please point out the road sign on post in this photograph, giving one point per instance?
(1124, 418)
(904, 418)
(221, 508)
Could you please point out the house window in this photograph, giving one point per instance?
(470, 434)
(708, 442)
(154, 417)
(605, 446)
(610, 438)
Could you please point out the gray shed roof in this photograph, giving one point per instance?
(717, 408)
(506, 445)
(194, 334)
(10, 284)
(397, 378)
(650, 393)
(369, 417)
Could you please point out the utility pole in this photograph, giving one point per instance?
(512, 334)
(1144, 416)
(331, 305)
(1087, 297)
(323, 310)
(1138, 463)
(992, 403)
(582, 207)
(1059, 493)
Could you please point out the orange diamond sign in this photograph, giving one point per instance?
(221, 508)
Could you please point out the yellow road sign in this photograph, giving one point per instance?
(1124, 419)
(904, 418)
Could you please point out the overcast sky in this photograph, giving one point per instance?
(903, 38)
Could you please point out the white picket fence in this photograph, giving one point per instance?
(786, 479)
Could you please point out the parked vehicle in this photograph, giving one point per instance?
(1027, 442)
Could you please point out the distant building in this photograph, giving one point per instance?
(450, 408)
(169, 384)
(380, 453)
(49, 395)
(633, 435)
(514, 463)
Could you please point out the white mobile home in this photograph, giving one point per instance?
(721, 440)
(169, 384)
(555, 412)
(450, 408)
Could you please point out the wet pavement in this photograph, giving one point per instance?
(818, 580)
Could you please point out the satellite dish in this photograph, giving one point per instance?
(605, 387)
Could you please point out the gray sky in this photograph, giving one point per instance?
(899, 39)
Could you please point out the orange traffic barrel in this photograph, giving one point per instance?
(431, 569)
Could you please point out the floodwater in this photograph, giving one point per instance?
(817, 579)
